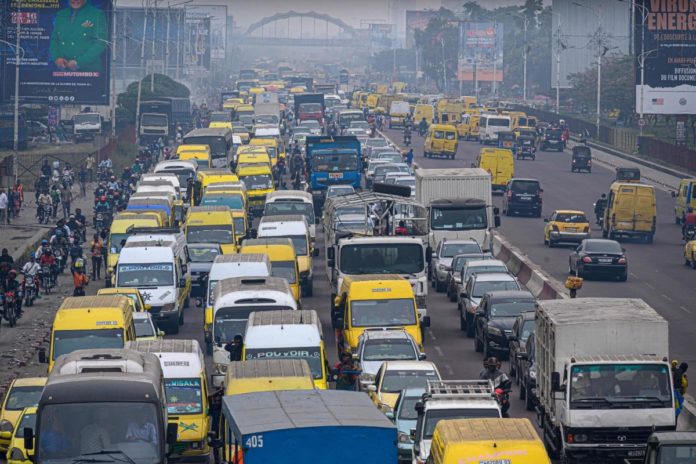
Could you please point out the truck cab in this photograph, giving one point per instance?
(332, 160)
(450, 399)
(671, 448)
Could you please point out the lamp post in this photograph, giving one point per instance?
(444, 66)
(525, 52)
(559, 47)
(140, 80)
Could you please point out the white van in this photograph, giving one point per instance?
(235, 300)
(157, 269)
(490, 125)
(295, 228)
(237, 265)
(159, 186)
(284, 202)
(398, 112)
(288, 335)
(168, 177)
(186, 388)
(184, 169)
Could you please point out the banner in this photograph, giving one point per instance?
(197, 43)
(65, 46)
(217, 14)
(670, 64)
(417, 20)
(480, 52)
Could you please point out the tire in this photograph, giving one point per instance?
(486, 351)
(528, 403)
(469, 326)
(462, 323)
(546, 242)
(478, 346)
(512, 372)
(310, 288)
(589, 171)
(623, 277)
(523, 392)
(551, 244)
(649, 239)
(180, 321)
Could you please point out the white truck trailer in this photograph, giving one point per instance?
(459, 202)
(603, 377)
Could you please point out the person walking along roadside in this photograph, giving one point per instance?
(4, 203)
(96, 247)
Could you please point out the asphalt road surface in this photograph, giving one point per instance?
(656, 271)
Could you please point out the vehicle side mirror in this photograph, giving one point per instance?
(512, 338)
(331, 263)
(425, 322)
(674, 194)
(147, 307)
(172, 431)
(184, 268)
(496, 210)
(422, 356)
(480, 312)
(390, 415)
(331, 254)
(556, 382)
(473, 165)
(522, 356)
(372, 388)
(28, 438)
(182, 282)
(412, 434)
(160, 334)
(43, 359)
(541, 190)
(496, 221)
(315, 252)
(463, 295)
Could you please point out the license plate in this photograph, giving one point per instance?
(495, 461)
(553, 141)
(525, 198)
(636, 453)
(571, 229)
(335, 175)
(605, 260)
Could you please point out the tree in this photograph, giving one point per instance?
(437, 42)
(383, 62)
(164, 86)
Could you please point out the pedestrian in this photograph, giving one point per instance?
(20, 190)
(215, 402)
(89, 166)
(409, 157)
(66, 199)
(4, 203)
(82, 178)
(96, 247)
(10, 204)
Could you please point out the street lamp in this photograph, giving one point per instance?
(559, 47)
(444, 66)
(525, 53)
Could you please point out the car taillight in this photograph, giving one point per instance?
(622, 261)
(509, 194)
(586, 229)
(589, 162)
(586, 259)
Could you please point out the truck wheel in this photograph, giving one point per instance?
(439, 286)
(181, 317)
(173, 328)
(462, 323)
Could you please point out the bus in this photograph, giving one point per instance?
(220, 142)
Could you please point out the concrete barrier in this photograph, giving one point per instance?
(687, 418)
(529, 274)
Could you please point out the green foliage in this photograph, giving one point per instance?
(164, 86)
(124, 154)
(438, 41)
(383, 62)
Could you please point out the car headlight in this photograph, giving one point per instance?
(364, 377)
(6, 426)
(17, 455)
(404, 438)
(580, 437)
(169, 307)
(220, 368)
(495, 331)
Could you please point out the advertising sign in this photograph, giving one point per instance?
(162, 36)
(670, 66)
(66, 51)
(197, 43)
(381, 37)
(217, 14)
(417, 20)
(480, 52)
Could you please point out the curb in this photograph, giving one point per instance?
(529, 274)
(687, 419)
(21, 254)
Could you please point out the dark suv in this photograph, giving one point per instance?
(553, 140)
(523, 196)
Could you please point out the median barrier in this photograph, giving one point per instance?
(687, 418)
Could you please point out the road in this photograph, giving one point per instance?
(656, 271)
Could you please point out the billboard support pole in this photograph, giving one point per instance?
(140, 81)
(495, 59)
(15, 145)
(152, 55)
(113, 70)
(444, 67)
(524, 62)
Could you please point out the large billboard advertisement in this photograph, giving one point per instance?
(480, 52)
(217, 14)
(65, 51)
(197, 42)
(381, 37)
(669, 85)
(417, 20)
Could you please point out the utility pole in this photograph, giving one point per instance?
(152, 54)
(140, 80)
(495, 58)
(524, 62)
(166, 45)
(559, 47)
(18, 50)
(444, 66)
(113, 70)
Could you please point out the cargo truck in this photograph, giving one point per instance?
(603, 378)
(309, 107)
(160, 117)
(332, 161)
(305, 426)
(459, 202)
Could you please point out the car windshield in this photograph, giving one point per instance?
(392, 158)
(525, 187)
(201, 254)
(282, 208)
(676, 454)
(405, 181)
(145, 275)
(219, 117)
(311, 354)
(330, 162)
(458, 218)
(184, 396)
(571, 218)
(452, 249)
(511, 307)
(389, 350)
(285, 270)
(67, 341)
(407, 408)
(143, 328)
(120, 431)
(310, 124)
(338, 191)
(382, 313)
(257, 182)
(433, 416)
(604, 385)
(231, 200)
(396, 380)
(153, 120)
(602, 246)
(209, 234)
(382, 258)
(480, 288)
(115, 241)
(528, 327)
(23, 397)
(376, 143)
(483, 270)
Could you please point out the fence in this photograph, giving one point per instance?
(625, 140)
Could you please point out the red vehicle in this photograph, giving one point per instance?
(309, 107)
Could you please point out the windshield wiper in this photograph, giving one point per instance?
(127, 459)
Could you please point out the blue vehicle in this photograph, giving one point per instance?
(333, 161)
(305, 426)
(405, 417)
(144, 204)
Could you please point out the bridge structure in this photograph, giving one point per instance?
(305, 29)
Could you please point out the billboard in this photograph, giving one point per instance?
(197, 42)
(66, 55)
(669, 85)
(480, 52)
(417, 20)
(381, 37)
(217, 14)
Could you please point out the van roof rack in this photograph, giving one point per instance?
(450, 389)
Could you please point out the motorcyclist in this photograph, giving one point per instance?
(600, 206)
(43, 201)
(10, 284)
(422, 127)
(80, 218)
(47, 259)
(689, 221)
(346, 372)
(6, 263)
(112, 184)
(75, 227)
(80, 279)
(45, 246)
(491, 371)
(33, 269)
(137, 167)
(55, 198)
(407, 135)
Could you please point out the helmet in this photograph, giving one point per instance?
(491, 363)
(346, 353)
(12, 273)
(72, 216)
(59, 233)
(604, 195)
(32, 255)
(44, 242)
(103, 198)
(113, 177)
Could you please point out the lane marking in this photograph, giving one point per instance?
(685, 309)
(633, 275)
(431, 334)
(666, 297)
(439, 351)
(648, 284)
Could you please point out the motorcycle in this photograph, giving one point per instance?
(102, 220)
(47, 279)
(689, 234)
(422, 130)
(599, 215)
(407, 139)
(11, 308)
(61, 258)
(29, 286)
(45, 213)
(502, 394)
